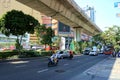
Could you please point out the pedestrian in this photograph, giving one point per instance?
(114, 54)
(119, 53)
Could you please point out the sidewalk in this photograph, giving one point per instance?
(19, 59)
(108, 69)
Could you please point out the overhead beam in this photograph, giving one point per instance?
(59, 9)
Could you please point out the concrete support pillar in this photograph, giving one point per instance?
(77, 34)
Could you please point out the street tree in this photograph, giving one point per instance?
(45, 35)
(97, 39)
(40, 31)
(112, 36)
(17, 23)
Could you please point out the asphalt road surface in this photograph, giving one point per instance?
(37, 69)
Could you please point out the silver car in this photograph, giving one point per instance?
(63, 54)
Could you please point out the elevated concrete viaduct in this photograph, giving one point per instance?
(66, 11)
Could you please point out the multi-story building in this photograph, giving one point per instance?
(90, 11)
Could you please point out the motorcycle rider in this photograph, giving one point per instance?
(71, 54)
(54, 57)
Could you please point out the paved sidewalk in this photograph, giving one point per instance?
(108, 69)
(19, 59)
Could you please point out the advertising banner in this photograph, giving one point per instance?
(63, 29)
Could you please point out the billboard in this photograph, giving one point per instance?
(63, 29)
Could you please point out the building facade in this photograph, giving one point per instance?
(90, 11)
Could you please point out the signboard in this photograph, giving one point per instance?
(118, 15)
(84, 37)
(117, 4)
(46, 20)
(63, 29)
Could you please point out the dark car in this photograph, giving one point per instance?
(86, 51)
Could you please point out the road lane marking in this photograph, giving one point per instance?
(20, 66)
(66, 64)
(42, 70)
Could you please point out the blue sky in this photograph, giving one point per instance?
(105, 15)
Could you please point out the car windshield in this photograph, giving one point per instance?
(61, 52)
(86, 50)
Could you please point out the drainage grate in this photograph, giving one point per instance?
(60, 71)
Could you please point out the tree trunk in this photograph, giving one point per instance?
(18, 45)
(45, 46)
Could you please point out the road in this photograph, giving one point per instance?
(37, 69)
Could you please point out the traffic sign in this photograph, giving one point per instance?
(117, 4)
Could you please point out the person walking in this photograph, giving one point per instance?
(119, 53)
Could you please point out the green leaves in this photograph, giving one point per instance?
(111, 35)
(45, 34)
(18, 23)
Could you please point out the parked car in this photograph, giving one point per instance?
(94, 51)
(86, 51)
(63, 54)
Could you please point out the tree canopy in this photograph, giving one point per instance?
(17, 23)
(110, 36)
(45, 34)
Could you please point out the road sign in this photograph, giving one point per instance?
(117, 4)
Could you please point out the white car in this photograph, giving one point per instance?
(94, 51)
(63, 54)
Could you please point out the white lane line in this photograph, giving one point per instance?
(42, 70)
(66, 64)
(20, 66)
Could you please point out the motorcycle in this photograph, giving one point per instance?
(71, 56)
(53, 62)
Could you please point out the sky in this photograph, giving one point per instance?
(105, 15)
